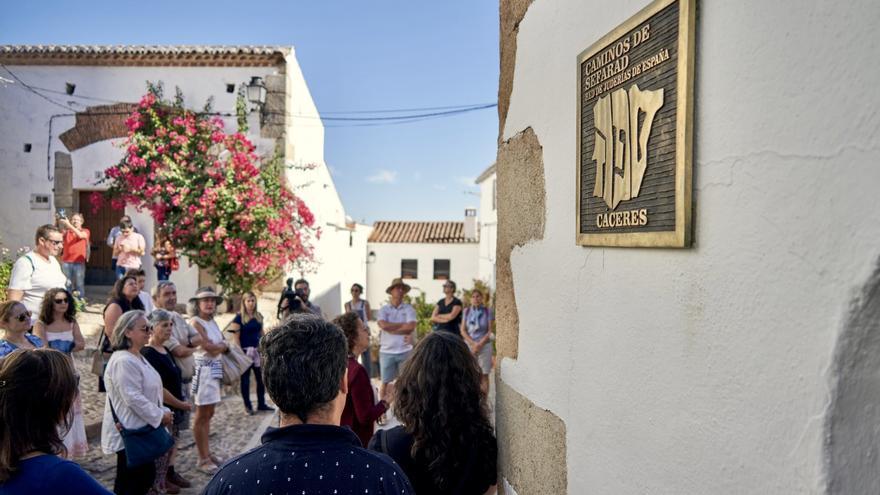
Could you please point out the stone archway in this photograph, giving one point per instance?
(852, 425)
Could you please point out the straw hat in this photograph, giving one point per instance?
(206, 293)
(395, 283)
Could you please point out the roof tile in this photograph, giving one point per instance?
(419, 232)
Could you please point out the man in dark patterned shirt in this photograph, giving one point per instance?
(304, 366)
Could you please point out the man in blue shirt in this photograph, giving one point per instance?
(304, 366)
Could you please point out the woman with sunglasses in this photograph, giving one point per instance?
(134, 400)
(58, 329)
(15, 321)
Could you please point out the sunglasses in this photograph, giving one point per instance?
(57, 243)
(61, 301)
(22, 317)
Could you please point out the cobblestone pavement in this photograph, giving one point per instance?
(232, 431)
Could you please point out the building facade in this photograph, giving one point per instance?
(424, 254)
(64, 109)
(745, 363)
(487, 181)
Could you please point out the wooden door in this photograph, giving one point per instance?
(99, 270)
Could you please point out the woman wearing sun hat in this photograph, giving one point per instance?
(206, 383)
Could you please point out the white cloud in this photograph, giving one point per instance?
(383, 177)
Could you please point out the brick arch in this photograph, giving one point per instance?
(97, 124)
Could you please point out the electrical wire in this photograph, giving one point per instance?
(32, 90)
(399, 117)
(423, 109)
(449, 110)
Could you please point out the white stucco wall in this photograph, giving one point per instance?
(340, 253)
(462, 263)
(488, 221)
(706, 370)
(342, 257)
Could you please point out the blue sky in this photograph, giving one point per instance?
(355, 55)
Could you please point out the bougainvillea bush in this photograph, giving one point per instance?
(229, 210)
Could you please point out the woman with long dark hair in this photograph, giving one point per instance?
(361, 409)
(58, 329)
(123, 298)
(445, 443)
(361, 307)
(37, 390)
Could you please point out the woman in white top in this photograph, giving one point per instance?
(58, 329)
(135, 390)
(208, 375)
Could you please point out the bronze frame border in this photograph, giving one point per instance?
(682, 236)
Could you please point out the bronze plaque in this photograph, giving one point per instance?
(635, 106)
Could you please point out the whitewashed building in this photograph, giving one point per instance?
(424, 254)
(488, 225)
(63, 109)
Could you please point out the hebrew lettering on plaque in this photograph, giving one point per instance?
(623, 123)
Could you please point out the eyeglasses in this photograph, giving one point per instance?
(22, 317)
(53, 241)
(61, 301)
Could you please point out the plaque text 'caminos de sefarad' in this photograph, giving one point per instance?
(629, 111)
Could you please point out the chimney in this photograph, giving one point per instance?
(470, 224)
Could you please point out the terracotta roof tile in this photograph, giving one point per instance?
(140, 55)
(421, 232)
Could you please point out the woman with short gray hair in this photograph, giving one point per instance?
(160, 359)
(134, 393)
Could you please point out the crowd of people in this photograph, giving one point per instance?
(157, 367)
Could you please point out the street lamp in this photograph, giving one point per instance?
(256, 91)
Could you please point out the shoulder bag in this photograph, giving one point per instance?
(98, 356)
(144, 444)
(235, 362)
